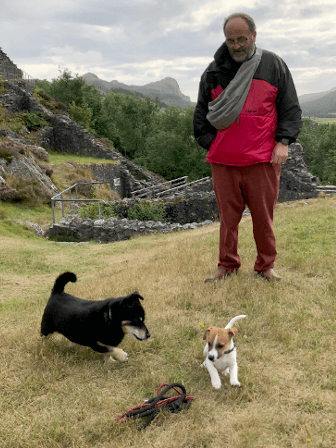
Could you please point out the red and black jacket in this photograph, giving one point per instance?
(271, 111)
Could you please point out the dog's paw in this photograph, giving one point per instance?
(108, 358)
(120, 355)
(235, 384)
(202, 365)
(216, 383)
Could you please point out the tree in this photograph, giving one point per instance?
(171, 149)
(319, 144)
(128, 121)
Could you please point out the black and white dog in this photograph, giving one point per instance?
(100, 325)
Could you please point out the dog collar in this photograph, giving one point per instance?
(229, 351)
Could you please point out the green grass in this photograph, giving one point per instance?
(57, 158)
(65, 396)
(37, 215)
(324, 120)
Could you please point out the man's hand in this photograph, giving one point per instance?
(280, 154)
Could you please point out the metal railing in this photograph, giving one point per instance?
(157, 188)
(11, 74)
(182, 187)
(71, 200)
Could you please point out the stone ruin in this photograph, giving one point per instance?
(182, 208)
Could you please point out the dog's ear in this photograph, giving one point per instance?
(232, 332)
(206, 334)
(136, 295)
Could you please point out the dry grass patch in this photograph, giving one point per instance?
(286, 346)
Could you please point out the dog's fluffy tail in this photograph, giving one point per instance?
(234, 320)
(62, 280)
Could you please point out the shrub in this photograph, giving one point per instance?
(49, 102)
(30, 192)
(39, 152)
(16, 124)
(85, 190)
(34, 120)
(10, 150)
(8, 194)
(147, 211)
(82, 114)
(46, 169)
(2, 85)
(91, 211)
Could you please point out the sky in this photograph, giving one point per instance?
(142, 41)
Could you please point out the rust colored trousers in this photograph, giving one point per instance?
(257, 186)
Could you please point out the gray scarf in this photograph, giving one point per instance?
(224, 110)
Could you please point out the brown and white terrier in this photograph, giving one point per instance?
(220, 353)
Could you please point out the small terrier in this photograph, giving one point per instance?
(220, 353)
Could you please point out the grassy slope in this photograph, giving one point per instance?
(286, 346)
(64, 175)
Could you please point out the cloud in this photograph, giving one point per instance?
(140, 41)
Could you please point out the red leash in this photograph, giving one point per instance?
(152, 407)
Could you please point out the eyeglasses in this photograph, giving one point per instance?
(240, 41)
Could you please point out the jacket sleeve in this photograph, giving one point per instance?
(288, 107)
(204, 132)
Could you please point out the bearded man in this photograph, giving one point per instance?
(247, 113)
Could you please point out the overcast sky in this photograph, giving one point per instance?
(141, 41)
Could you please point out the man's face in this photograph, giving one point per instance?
(235, 29)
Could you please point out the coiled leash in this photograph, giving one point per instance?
(152, 407)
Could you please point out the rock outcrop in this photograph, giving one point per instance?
(18, 161)
(7, 68)
(296, 182)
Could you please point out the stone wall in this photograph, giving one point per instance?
(111, 230)
(296, 182)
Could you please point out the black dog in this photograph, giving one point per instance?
(100, 325)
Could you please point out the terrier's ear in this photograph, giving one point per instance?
(206, 334)
(232, 332)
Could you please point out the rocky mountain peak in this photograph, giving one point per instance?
(166, 89)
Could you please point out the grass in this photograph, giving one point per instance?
(57, 158)
(286, 346)
(64, 175)
(324, 120)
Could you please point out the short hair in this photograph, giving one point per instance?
(240, 15)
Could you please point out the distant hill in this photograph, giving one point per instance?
(167, 90)
(322, 104)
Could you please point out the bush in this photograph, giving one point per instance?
(34, 120)
(49, 102)
(147, 211)
(39, 153)
(91, 211)
(85, 190)
(142, 211)
(10, 150)
(30, 192)
(2, 85)
(8, 194)
(46, 169)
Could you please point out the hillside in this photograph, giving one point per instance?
(322, 104)
(166, 90)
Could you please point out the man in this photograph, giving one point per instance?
(247, 113)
